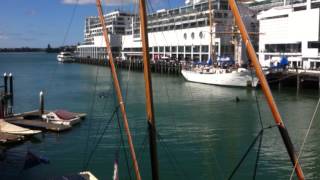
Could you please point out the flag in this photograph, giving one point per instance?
(209, 61)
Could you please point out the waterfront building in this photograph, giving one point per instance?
(94, 44)
(181, 33)
(291, 31)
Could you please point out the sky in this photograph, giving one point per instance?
(37, 23)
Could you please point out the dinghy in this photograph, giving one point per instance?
(13, 129)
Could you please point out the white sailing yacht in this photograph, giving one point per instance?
(239, 77)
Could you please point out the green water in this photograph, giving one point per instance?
(204, 132)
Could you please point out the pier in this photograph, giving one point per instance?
(31, 120)
(162, 67)
(298, 78)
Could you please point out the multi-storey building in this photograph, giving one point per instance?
(181, 33)
(291, 31)
(94, 44)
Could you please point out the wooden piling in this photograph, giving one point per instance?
(298, 82)
(41, 108)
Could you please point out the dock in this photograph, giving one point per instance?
(298, 78)
(33, 120)
(161, 67)
(6, 138)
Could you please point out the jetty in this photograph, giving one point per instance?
(33, 120)
(26, 120)
(161, 67)
(299, 78)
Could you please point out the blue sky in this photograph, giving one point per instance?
(37, 23)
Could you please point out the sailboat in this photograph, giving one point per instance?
(239, 77)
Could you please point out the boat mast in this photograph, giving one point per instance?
(211, 32)
(118, 89)
(266, 90)
(148, 87)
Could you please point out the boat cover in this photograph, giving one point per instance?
(65, 115)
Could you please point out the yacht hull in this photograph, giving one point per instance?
(237, 79)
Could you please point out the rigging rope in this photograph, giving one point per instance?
(90, 122)
(305, 138)
(101, 136)
(173, 160)
(248, 150)
(123, 146)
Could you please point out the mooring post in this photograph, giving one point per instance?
(1, 107)
(41, 110)
(298, 81)
(11, 93)
(5, 99)
(5, 79)
(319, 82)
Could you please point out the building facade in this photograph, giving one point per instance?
(293, 32)
(94, 44)
(183, 33)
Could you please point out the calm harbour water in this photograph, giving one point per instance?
(204, 132)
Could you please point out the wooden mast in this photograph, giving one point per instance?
(211, 32)
(118, 90)
(266, 90)
(148, 87)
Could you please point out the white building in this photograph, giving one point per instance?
(94, 44)
(183, 33)
(292, 31)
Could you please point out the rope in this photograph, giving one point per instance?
(248, 150)
(90, 122)
(100, 138)
(305, 138)
(70, 22)
(257, 158)
(123, 145)
(172, 158)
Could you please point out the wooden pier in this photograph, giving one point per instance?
(6, 138)
(294, 78)
(162, 67)
(33, 120)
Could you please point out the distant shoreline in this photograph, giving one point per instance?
(47, 50)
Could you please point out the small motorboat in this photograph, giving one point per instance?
(62, 117)
(9, 128)
(65, 57)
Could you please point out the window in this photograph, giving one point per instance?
(204, 48)
(174, 49)
(185, 35)
(291, 48)
(180, 49)
(192, 35)
(188, 48)
(201, 35)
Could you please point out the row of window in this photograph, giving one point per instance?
(171, 49)
(289, 48)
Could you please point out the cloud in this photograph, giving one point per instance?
(108, 2)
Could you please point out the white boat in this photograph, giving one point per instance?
(17, 130)
(62, 117)
(223, 77)
(65, 57)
